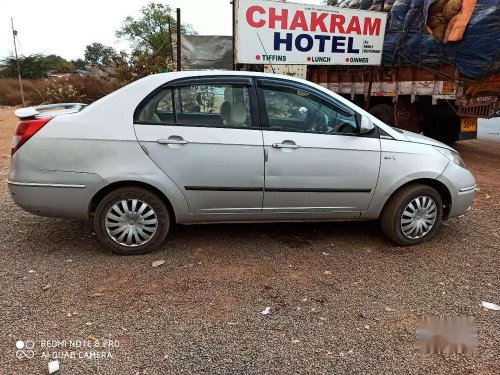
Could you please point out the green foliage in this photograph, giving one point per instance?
(151, 32)
(35, 66)
(331, 2)
(59, 64)
(151, 37)
(98, 54)
(139, 64)
(79, 64)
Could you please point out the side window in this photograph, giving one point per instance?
(213, 105)
(159, 109)
(290, 109)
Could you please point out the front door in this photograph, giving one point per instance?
(204, 136)
(316, 160)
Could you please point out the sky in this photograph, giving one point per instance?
(65, 27)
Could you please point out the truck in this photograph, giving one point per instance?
(440, 103)
(439, 71)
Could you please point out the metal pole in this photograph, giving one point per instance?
(233, 4)
(14, 33)
(179, 62)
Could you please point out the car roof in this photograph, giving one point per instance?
(170, 76)
(129, 96)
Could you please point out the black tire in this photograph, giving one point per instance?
(129, 193)
(384, 112)
(391, 216)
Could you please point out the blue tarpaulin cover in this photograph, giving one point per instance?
(408, 41)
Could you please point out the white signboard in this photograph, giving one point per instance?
(272, 32)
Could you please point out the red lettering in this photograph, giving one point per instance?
(354, 26)
(338, 21)
(250, 16)
(370, 28)
(318, 21)
(282, 18)
(299, 21)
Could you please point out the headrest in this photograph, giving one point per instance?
(225, 111)
(228, 93)
(238, 113)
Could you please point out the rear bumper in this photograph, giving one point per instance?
(462, 186)
(52, 193)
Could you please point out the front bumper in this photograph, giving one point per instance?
(462, 186)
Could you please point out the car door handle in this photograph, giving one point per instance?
(173, 140)
(285, 144)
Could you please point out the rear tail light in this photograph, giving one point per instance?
(25, 130)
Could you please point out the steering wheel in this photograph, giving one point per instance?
(319, 124)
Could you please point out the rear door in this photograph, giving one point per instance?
(204, 134)
(316, 160)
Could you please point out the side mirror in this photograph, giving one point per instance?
(366, 125)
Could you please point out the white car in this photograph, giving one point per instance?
(219, 146)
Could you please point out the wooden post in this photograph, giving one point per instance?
(368, 94)
(179, 61)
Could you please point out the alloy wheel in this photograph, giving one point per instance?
(131, 222)
(419, 217)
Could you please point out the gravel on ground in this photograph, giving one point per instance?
(341, 297)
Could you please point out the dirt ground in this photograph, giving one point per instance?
(8, 124)
(342, 298)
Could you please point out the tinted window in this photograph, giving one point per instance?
(291, 109)
(219, 105)
(199, 105)
(158, 109)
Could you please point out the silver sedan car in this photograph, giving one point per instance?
(205, 147)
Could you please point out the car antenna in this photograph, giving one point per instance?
(262, 44)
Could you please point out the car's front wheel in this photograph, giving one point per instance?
(412, 215)
(131, 220)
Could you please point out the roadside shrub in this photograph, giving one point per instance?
(73, 88)
(10, 93)
(93, 88)
(58, 92)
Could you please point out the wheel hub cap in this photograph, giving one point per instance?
(131, 222)
(418, 217)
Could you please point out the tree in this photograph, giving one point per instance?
(79, 64)
(139, 64)
(99, 54)
(36, 65)
(59, 64)
(152, 31)
(331, 2)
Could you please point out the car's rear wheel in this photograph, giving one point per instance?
(412, 215)
(131, 220)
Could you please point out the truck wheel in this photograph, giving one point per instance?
(131, 221)
(384, 112)
(412, 215)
